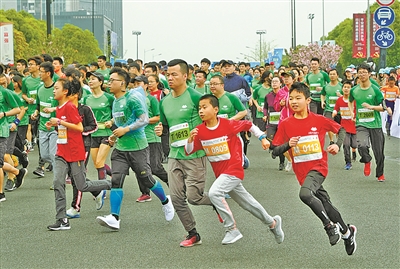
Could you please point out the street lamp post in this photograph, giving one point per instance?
(311, 17)
(261, 32)
(156, 55)
(144, 54)
(137, 34)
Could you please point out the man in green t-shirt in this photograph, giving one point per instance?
(368, 102)
(101, 61)
(30, 85)
(316, 79)
(186, 173)
(6, 100)
(329, 95)
(45, 107)
(131, 147)
(201, 85)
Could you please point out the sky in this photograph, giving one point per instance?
(192, 30)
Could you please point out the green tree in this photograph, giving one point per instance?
(30, 38)
(73, 44)
(343, 35)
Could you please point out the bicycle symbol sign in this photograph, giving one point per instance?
(384, 37)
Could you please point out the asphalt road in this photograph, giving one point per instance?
(146, 240)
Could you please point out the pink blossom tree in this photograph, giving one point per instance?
(327, 54)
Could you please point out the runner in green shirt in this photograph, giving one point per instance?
(316, 79)
(186, 174)
(259, 99)
(368, 102)
(101, 104)
(131, 150)
(329, 95)
(45, 107)
(201, 85)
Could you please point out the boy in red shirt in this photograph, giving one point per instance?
(218, 137)
(303, 135)
(342, 106)
(70, 153)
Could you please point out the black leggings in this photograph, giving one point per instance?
(316, 197)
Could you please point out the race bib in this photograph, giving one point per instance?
(332, 100)
(307, 149)
(62, 135)
(178, 134)
(225, 116)
(345, 113)
(33, 94)
(274, 117)
(390, 96)
(119, 118)
(44, 105)
(101, 125)
(313, 87)
(365, 115)
(217, 149)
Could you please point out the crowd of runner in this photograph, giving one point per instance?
(182, 115)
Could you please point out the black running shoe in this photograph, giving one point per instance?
(350, 243)
(61, 224)
(332, 230)
(19, 180)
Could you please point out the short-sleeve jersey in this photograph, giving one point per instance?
(181, 115)
(309, 153)
(366, 117)
(45, 99)
(105, 73)
(30, 86)
(390, 93)
(6, 100)
(153, 110)
(73, 150)
(342, 107)
(126, 110)
(317, 80)
(259, 95)
(25, 119)
(223, 146)
(229, 105)
(330, 93)
(101, 107)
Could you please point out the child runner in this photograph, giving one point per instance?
(70, 154)
(218, 137)
(342, 106)
(303, 135)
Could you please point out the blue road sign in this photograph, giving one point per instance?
(384, 16)
(384, 37)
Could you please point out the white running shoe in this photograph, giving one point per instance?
(100, 200)
(72, 213)
(288, 167)
(168, 209)
(277, 230)
(231, 236)
(109, 221)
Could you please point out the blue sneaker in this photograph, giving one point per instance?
(246, 162)
(348, 166)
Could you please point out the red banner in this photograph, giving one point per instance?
(359, 35)
(373, 47)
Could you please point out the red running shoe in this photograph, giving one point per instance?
(367, 169)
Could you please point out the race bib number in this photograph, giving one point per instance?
(274, 117)
(365, 115)
(332, 100)
(44, 105)
(225, 116)
(119, 118)
(33, 94)
(101, 125)
(62, 135)
(217, 149)
(313, 87)
(179, 134)
(390, 96)
(307, 149)
(345, 113)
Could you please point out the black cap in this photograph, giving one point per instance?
(224, 62)
(290, 73)
(95, 74)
